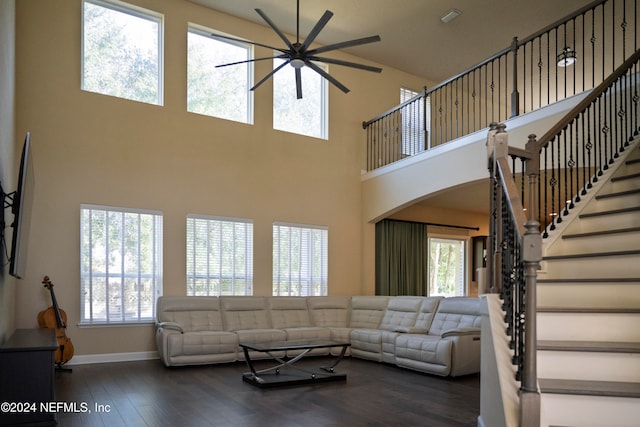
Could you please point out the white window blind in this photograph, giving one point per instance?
(300, 260)
(219, 256)
(120, 264)
(413, 123)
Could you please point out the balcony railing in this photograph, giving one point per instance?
(523, 77)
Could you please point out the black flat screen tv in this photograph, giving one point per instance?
(21, 208)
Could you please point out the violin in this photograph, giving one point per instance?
(55, 318)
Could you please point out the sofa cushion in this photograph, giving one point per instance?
(201, 343)
(243, 313)
(454, 313)
(367, 311)
(288, 312)
(425, 315)
(425, 353)
(401, 312)
(192, 314)
(329, 312)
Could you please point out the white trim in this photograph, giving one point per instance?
(219, 218)
(297, 225)
(104, 324)
(119, 209)
(86, 359)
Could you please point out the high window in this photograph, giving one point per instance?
(122, 51)
(306, 116)
(300, 260)
(120, 264)
(219, 256)
(219, 92)
(415, 135)
(447, 266)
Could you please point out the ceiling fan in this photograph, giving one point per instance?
(299, 55)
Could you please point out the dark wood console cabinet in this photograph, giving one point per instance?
(27, 372)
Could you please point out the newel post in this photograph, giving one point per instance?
(531, 256)
(497, 147)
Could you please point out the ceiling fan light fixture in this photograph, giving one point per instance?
(297, 63)
(567, 57)
(302, 55)
(450, 16)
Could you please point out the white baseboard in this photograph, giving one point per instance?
(112, 357)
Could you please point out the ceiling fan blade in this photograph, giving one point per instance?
(251, 60)
(298, 83)
(316, 30)
(275, 28)
(345, 63)
(327, 76)
(219, 36)
(342, 45)
(265, 78)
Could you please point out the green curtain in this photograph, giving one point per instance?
(401, 258)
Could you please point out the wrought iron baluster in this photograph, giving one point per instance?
(546, 184)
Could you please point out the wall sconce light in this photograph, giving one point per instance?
(567, 57)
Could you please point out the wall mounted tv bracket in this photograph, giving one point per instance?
(7, 202)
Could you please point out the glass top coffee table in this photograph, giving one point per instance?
(285, 372)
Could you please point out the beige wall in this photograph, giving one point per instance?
(7, 155)
(90, 148)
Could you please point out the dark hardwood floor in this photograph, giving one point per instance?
(146, 393)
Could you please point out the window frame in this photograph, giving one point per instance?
(156, 275)
(276, 289)
(206, 32)
(138, 12)
(248, 279)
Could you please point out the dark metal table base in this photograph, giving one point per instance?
(289, 379)
(286, 374)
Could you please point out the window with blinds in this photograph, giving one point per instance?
(447, 266)
(120, 264)
(415, 135)
(300, 260)
(219, 256)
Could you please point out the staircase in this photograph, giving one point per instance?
(589, 306)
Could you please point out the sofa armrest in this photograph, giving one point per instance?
(410, 330)
(459, 332)
(171, 325)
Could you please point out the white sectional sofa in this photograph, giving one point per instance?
(435, 335)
